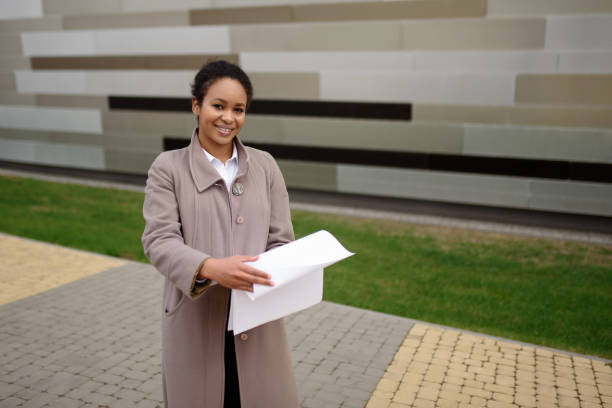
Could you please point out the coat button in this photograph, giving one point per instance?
(240, 220)
(244, 336)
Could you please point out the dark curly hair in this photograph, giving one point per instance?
(215, 70)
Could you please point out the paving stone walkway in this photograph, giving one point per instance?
(92, 339)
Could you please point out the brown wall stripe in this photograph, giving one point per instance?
(132, 62)
(548, 169)
(361, 110)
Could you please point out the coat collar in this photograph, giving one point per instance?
(203, 172)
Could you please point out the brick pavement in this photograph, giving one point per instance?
(443, 367)
(95, 342)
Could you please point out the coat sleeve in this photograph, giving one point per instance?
(281, 230)
(162, 239)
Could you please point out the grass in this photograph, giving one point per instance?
(552, 293)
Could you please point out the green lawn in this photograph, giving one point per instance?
(553, 293)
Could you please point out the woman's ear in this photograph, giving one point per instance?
(195, 106)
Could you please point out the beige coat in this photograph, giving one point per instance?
(189, 217)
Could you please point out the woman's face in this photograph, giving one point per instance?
(221, 116)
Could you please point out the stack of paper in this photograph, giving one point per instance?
(297, 272)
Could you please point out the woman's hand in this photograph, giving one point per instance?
(233, 273)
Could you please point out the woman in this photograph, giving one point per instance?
(209, 208)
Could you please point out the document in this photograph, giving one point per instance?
(296, 269)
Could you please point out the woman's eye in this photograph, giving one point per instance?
(238, 110)
(217, 106)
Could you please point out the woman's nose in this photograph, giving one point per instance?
(226, 116)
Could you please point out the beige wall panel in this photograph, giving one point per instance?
(572, 197)
(434, 185)
(76, 101)
(31, 24)
(549, 143)
(285, 86)
(128, 161)
(12, 9)
(14, 98)
(126, 20)
(597, 117)
(164, 123)
(564, 89)
(9, 63)
(585, 62)
(355, 134)
(71, 7)
(7, 82)
(391, 10)
(10, 44)
(158, 62)
(308, 175)
(280, 14)
(316, 36)
(547, 7)
(474, 34)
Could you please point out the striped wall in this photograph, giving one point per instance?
(504, 103)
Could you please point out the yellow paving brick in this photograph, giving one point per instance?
(478, 402)
(497, 396)
(387, 385)
(398, 405)
(417, 367)
(505, 380)
(485, 378)
(499, 388)
(587, 390)
(454, 396)
(404, 397)
(477, 392)
(376, 402)
(412, 378)
(444, 403)
(525, 400)
(29, 267)
(450, 379)
(523, 390)
(586, 404)
(451, 387)
(500, 404)
(568, 402)
(409, 388)
(605, 389)
(418, 329)
(434, 377)
(474, 384)
(421, 403)
(428, 394)
(382, 394)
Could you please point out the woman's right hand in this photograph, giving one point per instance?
(232, 272)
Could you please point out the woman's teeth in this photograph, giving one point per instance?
(224, 131)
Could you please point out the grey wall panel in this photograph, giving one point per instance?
(540, 115)
(10, 44)
(10, 63)
(46, 118)
(590, 145)
(313, 176)
(579, 32)
(129, 161)
(434, 185)
(76, 101)
(286, 85)
(355, 134)
(571, 197)
(20, 9)
(53, 154)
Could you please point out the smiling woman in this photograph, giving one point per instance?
(210, 208)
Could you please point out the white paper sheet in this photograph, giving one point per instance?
(297, 272)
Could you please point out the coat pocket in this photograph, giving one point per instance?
(173, 301)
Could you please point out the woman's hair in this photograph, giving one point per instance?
(212, 72)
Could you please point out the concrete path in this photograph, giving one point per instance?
(88, 335)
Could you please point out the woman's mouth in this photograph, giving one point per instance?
(224, 131)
